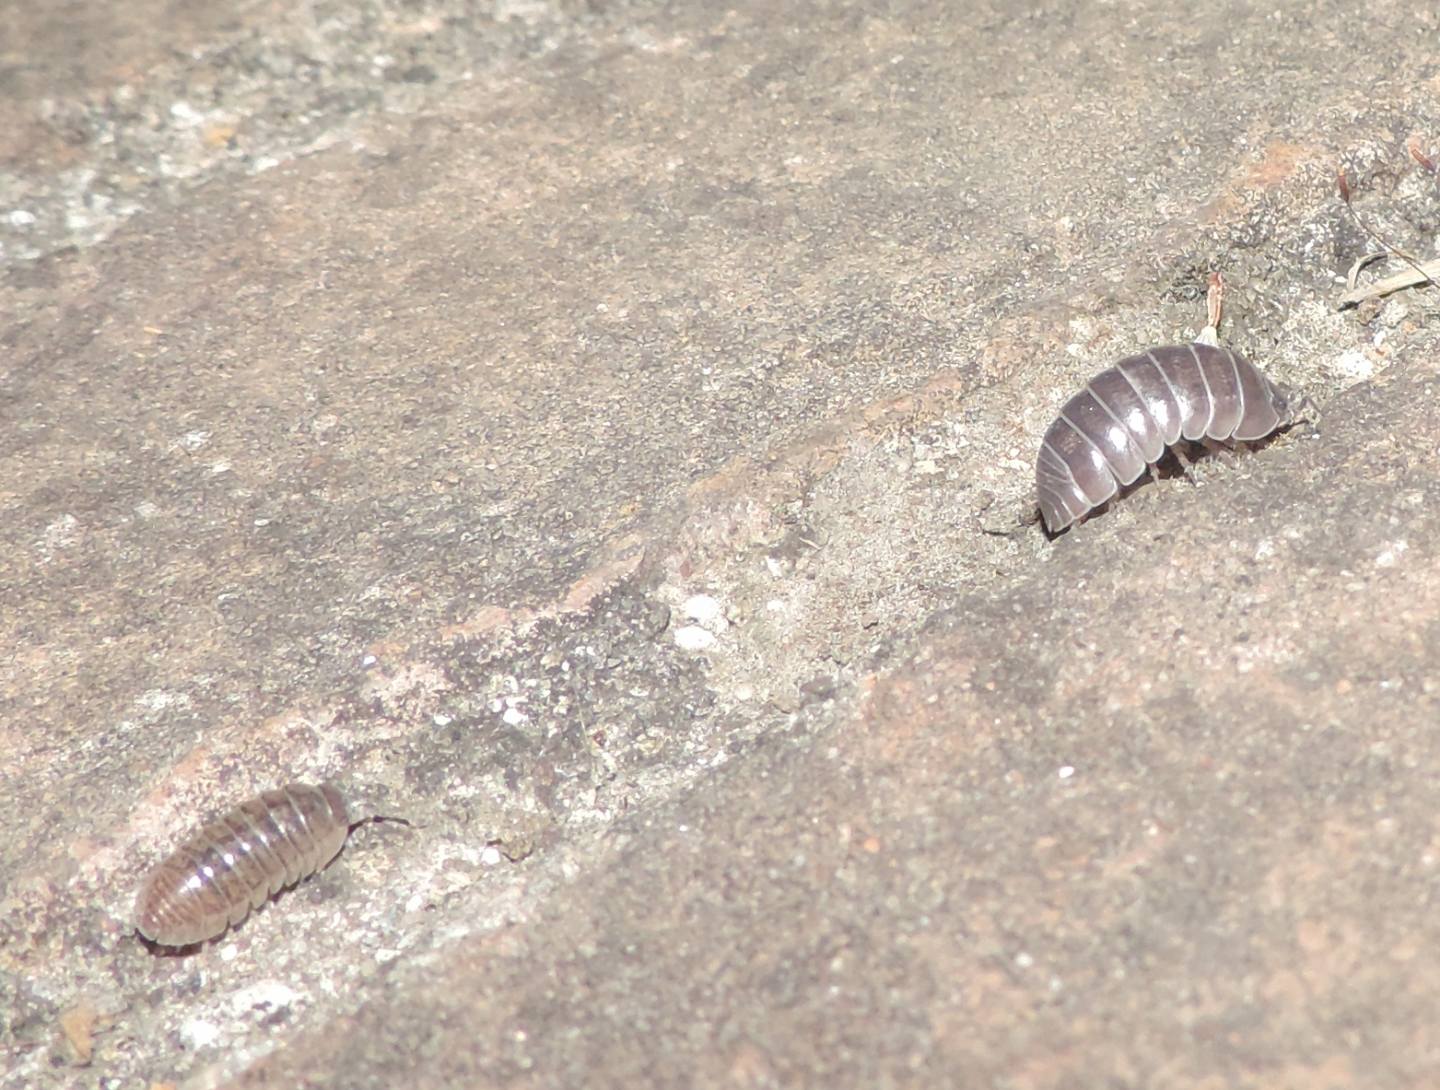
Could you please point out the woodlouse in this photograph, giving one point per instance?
(239, 860)
(1120, 425)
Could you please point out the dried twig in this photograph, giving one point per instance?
(1413, 147)
(1421, 274)
(1214, 303)
(1404, 280)
(1353, 276)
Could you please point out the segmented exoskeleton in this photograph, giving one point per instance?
(239, 860)
(1121, 423)
(1126, 417)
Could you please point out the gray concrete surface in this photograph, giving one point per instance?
(597, 432)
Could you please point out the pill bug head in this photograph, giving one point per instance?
(1293, 406)
(1284, 401)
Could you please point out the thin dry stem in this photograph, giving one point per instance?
(1420, 275)
(1215, 300)
(1425, 276)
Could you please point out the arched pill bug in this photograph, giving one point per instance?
(1126, 417)
(237, 861)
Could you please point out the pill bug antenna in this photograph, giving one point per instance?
(1007, 521)
(1214, 304)
(373, 815)
(1343, 184)
(376, 819)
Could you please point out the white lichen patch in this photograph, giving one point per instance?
(191, 441)
(198, 1033)
(1354, 364)
(155, 701)
(1391, 554)
(61, 533)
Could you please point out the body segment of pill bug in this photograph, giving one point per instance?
(239, 860)
(1125, 418)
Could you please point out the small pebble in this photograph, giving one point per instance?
(694, 638)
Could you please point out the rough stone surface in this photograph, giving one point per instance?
(599, 433)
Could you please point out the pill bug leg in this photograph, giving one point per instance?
(1183, 462)
(1303, 410)
(1223, 451)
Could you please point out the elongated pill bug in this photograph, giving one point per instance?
(239, 860)
(1125, 419)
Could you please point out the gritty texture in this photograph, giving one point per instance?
(603, 435)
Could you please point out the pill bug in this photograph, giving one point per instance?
(1126, 417)
(239, 860)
